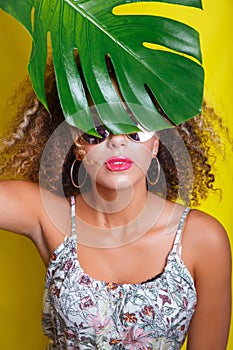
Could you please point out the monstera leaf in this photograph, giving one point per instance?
(174, 77)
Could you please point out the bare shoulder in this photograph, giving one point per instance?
(33, 198)
(18, 188)
(206, 244)
(29, 210)
(29, 194)
(208, 256)
(15, 192)
(202, 228)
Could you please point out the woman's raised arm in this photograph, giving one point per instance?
(20, 207)
(44, 218)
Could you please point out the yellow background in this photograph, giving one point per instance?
(21, 271)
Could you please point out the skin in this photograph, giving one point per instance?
(205, 246)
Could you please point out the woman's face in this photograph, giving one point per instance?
(118, 162)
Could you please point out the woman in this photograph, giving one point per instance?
(128, 266)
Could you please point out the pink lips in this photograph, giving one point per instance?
(118, 163)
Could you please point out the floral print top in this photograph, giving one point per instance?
(81, 312)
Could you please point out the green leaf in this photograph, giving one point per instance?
(174, 76)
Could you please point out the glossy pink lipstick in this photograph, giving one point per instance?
(118, 163)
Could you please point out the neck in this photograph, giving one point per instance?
(102, 229)
(114, 208)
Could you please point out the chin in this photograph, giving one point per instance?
(118, 185)
(121, 184)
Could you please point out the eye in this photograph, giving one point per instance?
(94, 140)
(134, 136)
(102, 132)
(141, 136)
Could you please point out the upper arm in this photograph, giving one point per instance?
(19, 207)
(212, 270)
(27, 209)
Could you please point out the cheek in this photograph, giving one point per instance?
(93, 159)
(143, 162)
(144, 155)
(93, 153)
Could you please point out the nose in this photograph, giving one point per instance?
(117, 141)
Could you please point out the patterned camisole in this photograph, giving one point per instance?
(83, 313)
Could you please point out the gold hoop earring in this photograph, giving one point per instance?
(72, 178)
(152, 183)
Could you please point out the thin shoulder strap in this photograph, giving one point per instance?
(72, 203)
(177, 246)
